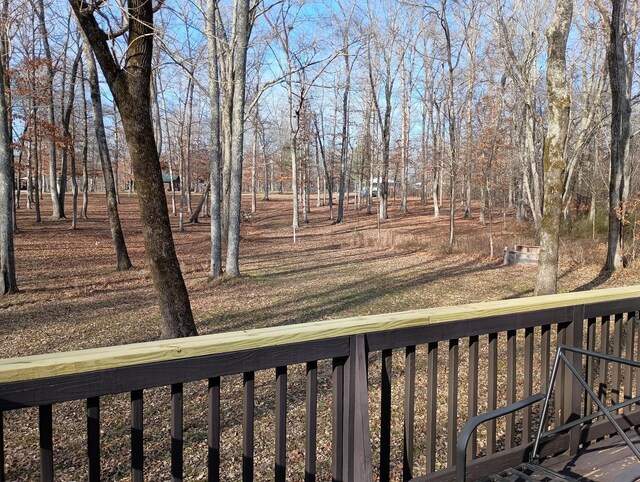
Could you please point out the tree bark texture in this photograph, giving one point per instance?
(56, 214)
(554, 162)
(8, 283)
(344, 146)
(130, 86)
(66, 133)
(215, 268)
(242, 32)
(620, 132)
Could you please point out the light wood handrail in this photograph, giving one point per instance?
(81, 361)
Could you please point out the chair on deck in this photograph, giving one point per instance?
(533, 470)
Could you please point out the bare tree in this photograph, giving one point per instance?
(521, 46)
(85, 153)
(8, 283)
(294, 72)
(122, 255)
(620, 127)
(555, 146)
(452, 61)
(242, 30)
(380, 50)
(129, 86)
(215, 267)
(38, 6)
(68, 148)
(349, 60)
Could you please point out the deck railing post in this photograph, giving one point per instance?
(356, 436)
(572, 405)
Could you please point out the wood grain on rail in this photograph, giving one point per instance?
(65, 363)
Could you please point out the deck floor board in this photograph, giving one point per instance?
(608, 460)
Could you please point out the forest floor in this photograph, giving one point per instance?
(71, 297)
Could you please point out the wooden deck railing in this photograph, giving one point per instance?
(401, 386)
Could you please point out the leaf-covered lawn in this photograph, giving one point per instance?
(72, 298)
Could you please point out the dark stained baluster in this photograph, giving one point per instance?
(311, 423)
(280, 469)
(432, 405)
(409, 411)
(511, 387)
(385, 417)
(137, 448)
(248, 417)
(561, 339)
(472, 392)
(604, 366)
(637, 343)
(93, 437)
(213, 430)
(545, 354)
(177, 436)
(338, 419)
(590, 367)
(2, 479)
(527, 388)
(573, 393)
(452, 403)
(615, 367)
(46, 443)
(492, 391)
(629, 354)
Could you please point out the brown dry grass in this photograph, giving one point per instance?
(72, 298)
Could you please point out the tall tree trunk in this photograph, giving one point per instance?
(406, 81)
(620, 129)
(122, 256)
(68, 141)
(437, 160)
(35, 146)
(268, 168)
(344, 147)
(383, 179)
(29, 176)
(254, 162)
(116, 160)
(451, 121)
(215, 267)
(295, 223)
(85, 152)
(195, 215)
(56, 214)
(327, 173)
(74, 190)
(130, 88)
(242, 32)
(172, 187)
(555, 144)
(189, 128)
(8, 283)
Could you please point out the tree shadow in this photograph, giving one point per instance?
(601, 278)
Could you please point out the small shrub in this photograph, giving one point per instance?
(584, 228)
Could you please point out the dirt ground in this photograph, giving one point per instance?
(71, 298)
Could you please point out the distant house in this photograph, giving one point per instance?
(175, 185)
(375, 184)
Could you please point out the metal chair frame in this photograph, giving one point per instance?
(534, 463)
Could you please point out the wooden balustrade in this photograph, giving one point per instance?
(401, 386)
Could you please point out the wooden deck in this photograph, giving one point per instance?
(609, 460)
